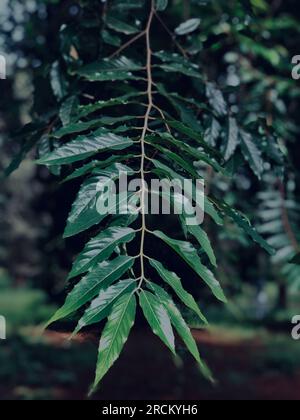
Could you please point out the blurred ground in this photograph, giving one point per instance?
(250, 360)
(262, 366)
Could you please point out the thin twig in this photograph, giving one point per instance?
(181, 49)
(127, 44)
(163, 117)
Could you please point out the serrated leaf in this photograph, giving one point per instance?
(252, 153)
(182, 328)
(91, 166)
(115, 334)
(188, 27)
(174, 281)
(84, 213)
(189, 254)
(80, 127)
(76, 128)
(204, 241)
(101, 248)
(67, 110)
(208, 205)
(232, 140)
(173, 157)
(100, 277)
(85, 110)
(212, 212)
(84, 147)
(177, 64)
(158, 319)
(208, 156)
(110, 69)
(99, 306)
(192, 134)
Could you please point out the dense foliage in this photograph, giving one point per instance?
(135, 89)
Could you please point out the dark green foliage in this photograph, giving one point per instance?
(125, 101)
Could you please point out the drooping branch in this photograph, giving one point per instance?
(142, 140)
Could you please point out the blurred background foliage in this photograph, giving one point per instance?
(247, 47)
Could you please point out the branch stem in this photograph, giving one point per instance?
(147, 119)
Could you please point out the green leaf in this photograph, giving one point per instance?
(85, 110)
(100, 277)
(212, 212)
(115, 334)
(91, 166)
(84, 147)
(252, 153)
(192, 152)
(190, 256)
(99, 306)
(45, 146)
(101, 248)
(216, 99)
(127, 5)
(232, 139)
(177, 64)
(161, 5)
(80, 126)
(83, 170)
(157, 318)
(110, 69)
(260, 4)
(192, 134)
(75, 128)
(174, 281)
(244, 223)
(187, 27)
(183, 163)
(67, 110)
(111, 39)
(84, 213)
(208, 205)
(204, 241)
(120, 26)
(182, 328)
(29, 143)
